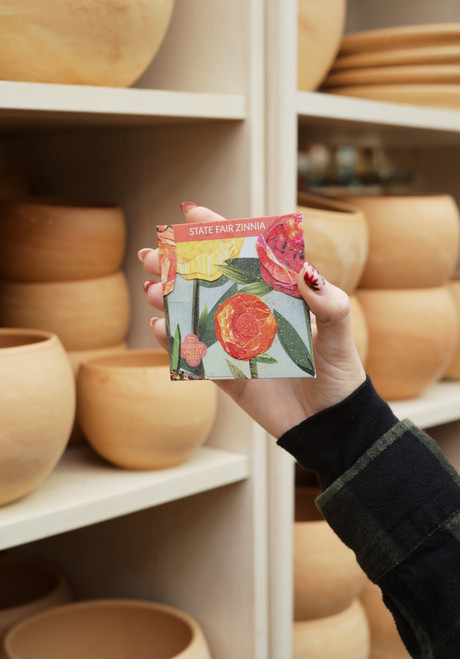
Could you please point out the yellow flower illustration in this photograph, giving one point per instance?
(200, 259)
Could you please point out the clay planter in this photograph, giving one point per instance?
(341, 636)
(453, 372)
(50, 241)
(327, 577)
(81, 43)
(385, 640)
(85, 314)
(413, 241)
(359, 328)
(28, 586)
(320, 27)
(108, 628)
(37, 408)
(135, 417)
(413, 335)
(336, 239)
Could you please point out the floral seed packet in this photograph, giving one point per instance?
(233, 309)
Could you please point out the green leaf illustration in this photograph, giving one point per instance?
(214, 284)
(202, 322)
(258, 288)
(265, 359)
(176, 349)
(209, 336)
(235, 371)
(249, 265)
(237, 275)
(293, 344)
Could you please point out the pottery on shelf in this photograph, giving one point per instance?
(386, 643)
(453, 371)
(135, 417)
(344, 635)
(108, 628)
(28, 586)
(327, 577)
(37, 408)
(359, 328)
(414, 241)
(81, 43)
(45, 240)
(85, 314)
(320, 27)
(413, 335)
(336, 239)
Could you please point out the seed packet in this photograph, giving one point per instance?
(232, 306)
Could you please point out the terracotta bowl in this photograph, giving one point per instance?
(81, 43)
(320, 28)
(135, 417)
(57, 241)
(327, 577)
(37, 408)
(413, 241)
(413, 335)
(336, 239)
(344, 635)
(359, 328)
(108, 628)
(28, 586)
(385, 640)
(85, 314)
(453, 372)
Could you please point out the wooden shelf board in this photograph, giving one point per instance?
(439, 404)
(84, 490)
(24, 104)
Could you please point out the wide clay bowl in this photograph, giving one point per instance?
(336, 239)
(37, 408)
(320, 27)
(90, 42)
(28, 586)
(453, 372)
(108, 628)
(413, 240)
(327, 577)
(344, 635)
(136, 417)
(85, 314)
(385, 640)
(413, 335)
(59, 241)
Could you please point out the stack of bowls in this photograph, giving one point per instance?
(329, 619)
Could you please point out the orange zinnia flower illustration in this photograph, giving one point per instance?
(245, 326)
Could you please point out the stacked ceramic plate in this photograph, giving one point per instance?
(418, 64)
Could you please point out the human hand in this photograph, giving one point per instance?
(279, 404)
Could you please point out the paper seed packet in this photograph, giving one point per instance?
(233, 309)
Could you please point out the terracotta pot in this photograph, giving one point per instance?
(336, 239)
(413, 241)
(57, 241)
(327, 577)
(453, 372)
(28, 586)
(13, 183)
(341, 636)
(320, 27)
(385, 640)
(359, 328)
(413, 335)
(108, 628)
(85, 314)
(81, 43)
(76, 358)
(135, 417)
(37, 408)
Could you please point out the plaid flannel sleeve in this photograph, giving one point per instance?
(391, 495)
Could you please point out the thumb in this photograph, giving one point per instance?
(194, 213)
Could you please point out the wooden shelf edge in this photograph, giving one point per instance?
(439, 404)
(83, 490)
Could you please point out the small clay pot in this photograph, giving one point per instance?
(134, 416)
(327, 577)
(336, 239)
(413, 335)
(28, 586)
(453, 372)
(37, 408)
(344, 635)
(108, 628)
(45, 240)
(85, 314)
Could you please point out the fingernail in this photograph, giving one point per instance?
(142, 253)
(186, 206)
(147, 284)
(313, 279)
(153, 320)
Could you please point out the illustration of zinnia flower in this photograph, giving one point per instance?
(200, 259)
(167, 247)
(245, 326)
(281, 252)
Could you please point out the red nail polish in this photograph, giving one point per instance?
(186, 206)
(147, 284)
(313, 279)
